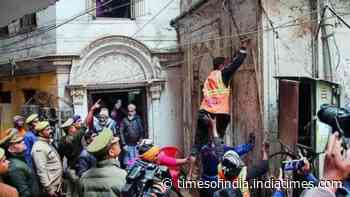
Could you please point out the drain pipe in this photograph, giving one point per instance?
(327, 29)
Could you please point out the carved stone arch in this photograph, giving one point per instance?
(115, 59)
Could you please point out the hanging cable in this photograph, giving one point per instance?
(339, 17)
(56, 26)
(202, 41)
(154, 17)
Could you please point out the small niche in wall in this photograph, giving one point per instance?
(29, 95)
(5, 97)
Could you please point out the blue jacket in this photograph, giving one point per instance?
(278, 194)
(29, 139)
(211, 156)
(86, 161)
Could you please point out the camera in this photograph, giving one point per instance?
(337, 118)
(292, 165)
(142, 177)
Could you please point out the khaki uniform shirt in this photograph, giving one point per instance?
(47, 164)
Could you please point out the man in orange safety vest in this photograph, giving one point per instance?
(216, 97)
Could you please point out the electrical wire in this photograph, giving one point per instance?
(185, 43)
(44, 44)
(339, 17)
(282, 26)
(230, 36)
(50, 28)
(154, 17)
(216, 38)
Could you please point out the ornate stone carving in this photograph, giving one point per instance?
(112, 68)
(116, 39)
(78, 95)
(115, 59)
(156, 91)
(157, 67)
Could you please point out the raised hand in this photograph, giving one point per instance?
(96, 105)
(246, 42)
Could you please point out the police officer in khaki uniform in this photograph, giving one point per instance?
(107, 178)
(20, 175)
(70, 147)
(5, 190)
(47, 161)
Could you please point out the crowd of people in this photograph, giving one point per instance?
(84, 161)
(96, 156)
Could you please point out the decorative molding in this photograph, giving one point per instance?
(156, 91)
(157, 67)
(115, 59)
(78, 95)
(116, 39)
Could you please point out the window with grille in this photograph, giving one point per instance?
(27, 23)
(119, 8)
(5, 97)
(23, 25)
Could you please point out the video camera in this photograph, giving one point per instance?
(293, 165)
(337, 118)
(141, 179)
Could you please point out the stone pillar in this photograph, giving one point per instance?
(155, 91)
(79, 95)
(62, 75)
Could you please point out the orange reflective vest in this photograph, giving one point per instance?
(216, 94)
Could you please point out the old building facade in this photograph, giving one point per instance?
(79, 51)
(286, 48)
(205, 29)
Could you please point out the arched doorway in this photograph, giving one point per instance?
(119, 67)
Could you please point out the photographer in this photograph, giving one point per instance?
(336, 168)
(146, 179)
(154, 154)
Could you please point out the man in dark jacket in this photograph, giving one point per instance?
(70, 147)
(107, 178)
(20, 175)
(118, 113)
(131, 132)
(86, 160)
(70, 144)
(216, 99)
(216, 93)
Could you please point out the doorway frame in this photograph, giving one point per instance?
(145, 118)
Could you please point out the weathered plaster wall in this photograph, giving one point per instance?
(171, 109)
(290, 53)
(41, 43)
(45, 83)
(209, 32)
(342, 61)
(73, 37)
(157, 35)
(286, 50)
